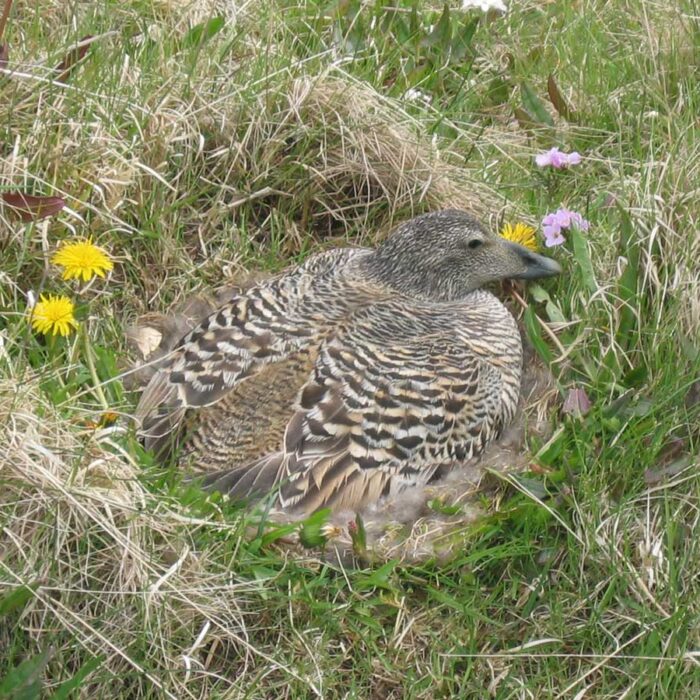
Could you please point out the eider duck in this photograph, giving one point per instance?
(355, 376)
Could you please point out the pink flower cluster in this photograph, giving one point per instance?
(556, 159)
(553, 224)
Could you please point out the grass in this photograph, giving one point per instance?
(196, 149)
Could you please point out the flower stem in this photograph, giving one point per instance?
(90, 361)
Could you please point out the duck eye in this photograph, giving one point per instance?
(474, 244)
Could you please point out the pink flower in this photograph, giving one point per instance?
(556, 159)
(577, 403)
(552, 225)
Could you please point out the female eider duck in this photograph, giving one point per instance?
(353, 377)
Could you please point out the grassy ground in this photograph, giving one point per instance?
(194, 148)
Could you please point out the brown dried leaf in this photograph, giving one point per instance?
(673, 449)
(558, 100)
(66, 67)
(29, 207)
(4, 55)
(655, 476)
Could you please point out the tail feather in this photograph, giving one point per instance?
(249, 481)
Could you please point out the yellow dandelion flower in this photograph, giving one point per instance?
(82, 259)
(54, 315)
(520, 233)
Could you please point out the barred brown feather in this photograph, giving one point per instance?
(355, 376)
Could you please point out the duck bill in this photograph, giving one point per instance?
(535, 265)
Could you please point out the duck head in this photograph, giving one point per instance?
(445, 255)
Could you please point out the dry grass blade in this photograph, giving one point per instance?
(79, 524)
(359, 160)
(208, 138)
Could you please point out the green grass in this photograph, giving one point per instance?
(196, 150)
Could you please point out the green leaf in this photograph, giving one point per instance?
(541, 295)
(534, 105)
(442, 32)
(263, 573)
(277, 533)
(525, 121)
(356, 37)
(442, 597)
(552, 453)
(533, 56)
(498, 91)
(635, 377)
(379, 578)
(402, 31)
(24, 682)
(532, 487)
(16, 598)
(438, 506)
(462, 40)
(619, 405)
(535, 335)
(554, 313)
(311, 532)
(343, 8)
(358, 535)
(65, 690)
(414, 21)
(538, 293)
(642, 407)
(202, 32)
(690, 350)
(583, 258)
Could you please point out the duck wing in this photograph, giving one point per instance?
(265, 324)
(249, 422)
(395, 394)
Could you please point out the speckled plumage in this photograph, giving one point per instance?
(352, 377)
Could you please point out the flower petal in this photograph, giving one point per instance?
(557, 159)
(554, 240)
(564, 218)
(53, 315)
(543, 159)
(577, 403)
(552, 229)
